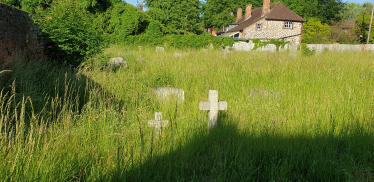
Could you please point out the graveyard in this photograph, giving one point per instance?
(165, 114)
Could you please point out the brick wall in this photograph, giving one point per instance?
(273, 30)
(18, 34)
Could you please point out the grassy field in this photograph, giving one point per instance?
(91, 124)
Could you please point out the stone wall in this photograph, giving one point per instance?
(18, 34)
(273, 30)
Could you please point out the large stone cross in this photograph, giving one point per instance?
(213, 106)
(158, 123)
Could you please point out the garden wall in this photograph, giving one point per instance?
(17, 33)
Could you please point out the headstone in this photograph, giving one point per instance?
(140, 59)
(167, 93)
(213, 106)
(177, 55)
(211, 46)
(293, 47)
(158, 49)
(140, 48)
(158, 123)
(263, 93)
(117, 62)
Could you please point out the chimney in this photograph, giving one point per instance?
(248, 11)
(265, 8)
(239, 14)
(141, 6)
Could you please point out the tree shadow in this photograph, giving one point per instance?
(258, 154)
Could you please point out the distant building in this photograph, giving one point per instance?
(210, 30)
(272, 21)
(349, 24)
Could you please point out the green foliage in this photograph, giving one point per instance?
(353, 10)
(179, 41)
(15, 3)
(306, 51)
(362, 26)
(71, 33)
(276, 42)
(183, 15)
(314, 32)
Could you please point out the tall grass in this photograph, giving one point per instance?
(319, 128)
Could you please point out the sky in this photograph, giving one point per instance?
(134, 2)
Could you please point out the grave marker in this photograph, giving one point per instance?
(158, 49)
(213, 106)
(158, 123)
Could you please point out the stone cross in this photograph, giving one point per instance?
(158, 123)
(213, 106)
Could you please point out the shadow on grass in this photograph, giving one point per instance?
(224, 154)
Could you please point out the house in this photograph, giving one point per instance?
(272, 21)
(210, 30)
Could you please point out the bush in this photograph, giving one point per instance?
(306, 51)
(179, 41)
(314, 32)
(70, 31)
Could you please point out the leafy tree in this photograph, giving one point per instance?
(327, 11)
(314, 32)
(353, 10)
(182, 15)
(15, 3)
(363, 27)
(217, 12)
(70, 31)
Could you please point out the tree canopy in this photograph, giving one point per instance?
(182, 15)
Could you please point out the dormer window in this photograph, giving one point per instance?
(288, 25)
(259, 26)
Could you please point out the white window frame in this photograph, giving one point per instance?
(288, 25)
(233, 35)
(258, 26)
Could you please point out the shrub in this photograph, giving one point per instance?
(70, 31)
(306, 51)
(314, 32)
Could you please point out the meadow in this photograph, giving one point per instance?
(90, 123)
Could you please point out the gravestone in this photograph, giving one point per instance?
(117, 62)
(177, 55)
(140, 59)
(168, 93)
(160, 49)
(158, 123)
(211, 46)
(263, 93)
(213, 106)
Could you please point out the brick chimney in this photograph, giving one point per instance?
(141, 6)
(239, 14)
(248, 11)
(265, 8)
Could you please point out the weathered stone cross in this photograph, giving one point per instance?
(213, 106)
(158, 123)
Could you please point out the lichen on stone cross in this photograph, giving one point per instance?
(213, 106)
(158, 123)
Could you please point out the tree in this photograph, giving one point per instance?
(364, 27)
(327, 11)
(314, 32)
(15, 3)
(182, 15)
(353, 10)
(217, 12)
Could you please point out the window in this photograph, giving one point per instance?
(259, 26)
(235, 35)
(288, 24)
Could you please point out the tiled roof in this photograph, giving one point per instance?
(278, 11)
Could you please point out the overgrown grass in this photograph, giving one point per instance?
(319, 128)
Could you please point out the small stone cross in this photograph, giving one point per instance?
(213, 106)
(158, 123)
